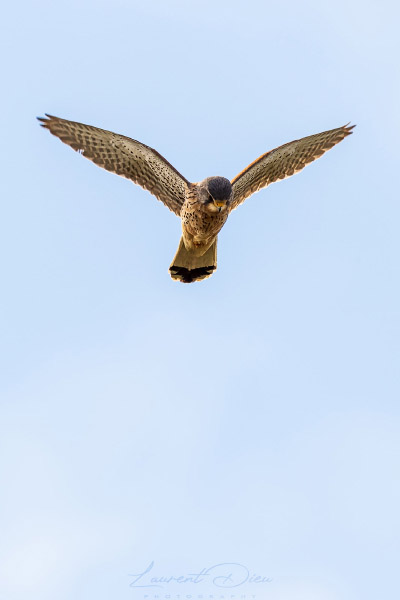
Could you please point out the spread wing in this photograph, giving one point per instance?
(123, 156)
(284, 161)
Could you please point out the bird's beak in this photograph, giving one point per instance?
(219, 204)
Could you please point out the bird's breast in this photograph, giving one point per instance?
(199, 220)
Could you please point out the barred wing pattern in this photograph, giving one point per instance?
(123, 156)
(284, 161)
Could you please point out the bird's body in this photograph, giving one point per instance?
(203, 215)
(201, 218)
(202, 207)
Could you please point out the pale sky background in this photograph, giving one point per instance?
(252, 418)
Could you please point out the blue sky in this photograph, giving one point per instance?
(252, 418)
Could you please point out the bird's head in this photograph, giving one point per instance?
(216, 193)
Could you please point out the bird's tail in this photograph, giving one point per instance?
(188, 267)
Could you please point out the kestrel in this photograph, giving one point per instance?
(203, 207)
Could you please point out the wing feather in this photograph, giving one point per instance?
(284, 161)
(123, 156)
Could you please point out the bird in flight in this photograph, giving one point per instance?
(202, 207)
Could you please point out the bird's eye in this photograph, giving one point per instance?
(210, 198)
